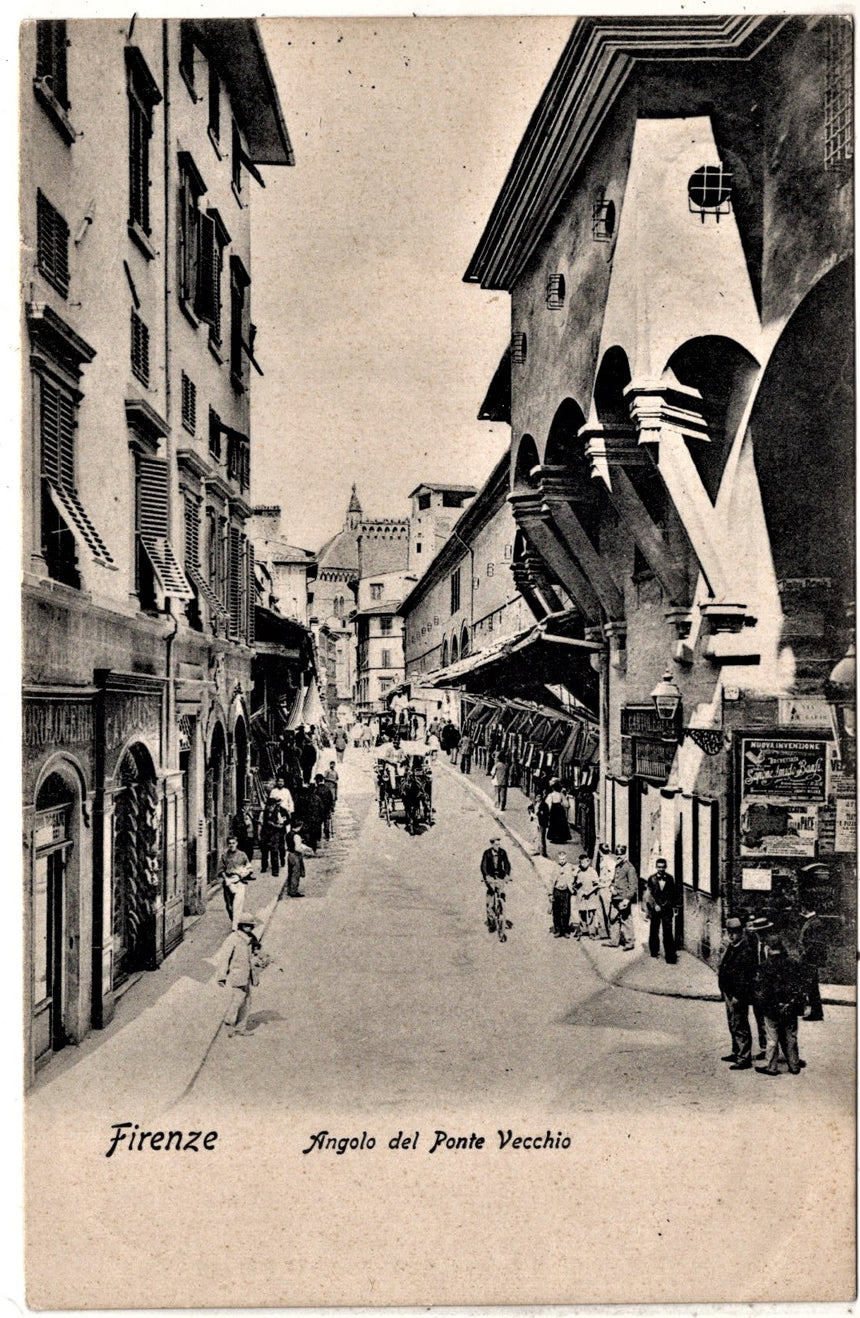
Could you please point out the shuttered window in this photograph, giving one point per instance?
(193, 568)
(57, 424)
(212, 240)
(52, 244)
(214, 434)
(143, 96)
(214, 102)
(51, 58)
(191, 188)
(139, 348)
(235, 585)
(251, 595)
(152, 524)
(189, 404)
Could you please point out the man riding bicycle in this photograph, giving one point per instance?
(496, 870)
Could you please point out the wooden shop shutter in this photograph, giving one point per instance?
(235, 592)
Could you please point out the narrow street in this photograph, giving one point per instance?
(394, 993)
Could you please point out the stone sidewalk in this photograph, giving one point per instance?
(639, 971)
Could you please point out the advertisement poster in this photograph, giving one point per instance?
(783, 770)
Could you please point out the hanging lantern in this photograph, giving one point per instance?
(667, 702)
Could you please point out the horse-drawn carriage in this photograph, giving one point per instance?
(404, 784)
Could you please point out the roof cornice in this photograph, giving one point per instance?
(599, 57)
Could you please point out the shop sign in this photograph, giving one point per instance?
(127, 714)
(52, 826)
(756, 880)
(783, 770)
(809, 711)
(640, 721)
(653, 759)
(57, 723)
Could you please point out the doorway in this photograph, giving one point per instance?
(52, 846)
(136, 868)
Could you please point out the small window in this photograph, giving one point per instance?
(52, 245)
(189, 404)
(709, 191)
(555, 292)
(385, 624)
(236, 161)
(455, 591)
(519, 347)
(451, 500)
(191, 188)
(187, 56)
(213, 238)
(143, 96)
(139, 348)
(51, 46)
(603, 220)
(376, 591)
(424, 501)
(491, 569)
(509, 552)
(418, 547)
(386, 659)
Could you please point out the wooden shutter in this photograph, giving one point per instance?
(235, 592)
(252, 595)
(57, 427)
(51, 57)
(192, 531)
(205, 301)
(139, 348)
(152, 516)
(52, 244)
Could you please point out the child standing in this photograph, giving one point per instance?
(238, 972)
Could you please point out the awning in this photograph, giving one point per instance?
(520, 643)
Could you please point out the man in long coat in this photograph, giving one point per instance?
(736, 977)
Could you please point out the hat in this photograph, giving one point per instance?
(246, 919)
(759, 924)
(734, 923)
(495, 838)
(622, 850)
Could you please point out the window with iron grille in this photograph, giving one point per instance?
(709, 191)
(143, 96)
(191, 189)
(139, 348)
(555, 292)
(455, 591)
(603, 220)
(52, 244)
(51, 46)
(519, 347)
(215, 434)
(189, 404)
(839, 95)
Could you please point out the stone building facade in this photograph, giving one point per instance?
(675, 234)
(141, 144)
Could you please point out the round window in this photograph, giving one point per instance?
(710, 187)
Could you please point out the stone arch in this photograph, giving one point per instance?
(464, 642)
(240, 761)
(214, 797)
(455, 653)
(802, 429)
(526, 458)
(612, 379)
(444, 651)
(56, 882)
(135, 862)
(723, 373)
(563, 445)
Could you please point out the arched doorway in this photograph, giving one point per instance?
(213, 795)
(455, 650)
(464, 642)
(240, 752)
(136, 866)
(52, 874)
(445, 652)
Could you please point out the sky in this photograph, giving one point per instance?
(376, 355)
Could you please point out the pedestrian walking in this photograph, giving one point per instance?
(606, 862)
(433, 745)
(760, 930)
(295, 868)
(311, 811)
(465, 749)
(560, 898)
(238, 972)
(542, 817)
(273, 837)
(327, 801)
(534, 830)
(661, 903)
(585, 880)
(500, 780)
(332, 778)
(341, 741)
(284, 797)
(624, 895)
(780, 992)
(307, 758)
(495, 871)
(736, 978)
(558, 824)
(243, 825)
(812, 945)
(235, 872)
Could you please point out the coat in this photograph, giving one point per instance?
(495, 866)
(780, 988)
(236, 961)
(812, 943)
(736, 975)
(625, 881)
(657, 900)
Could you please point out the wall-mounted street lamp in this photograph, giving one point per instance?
(841, 694)
(667, 702)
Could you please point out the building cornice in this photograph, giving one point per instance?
(596, 63)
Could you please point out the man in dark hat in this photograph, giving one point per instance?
(780, 992)
(736, 981)
(812, 945)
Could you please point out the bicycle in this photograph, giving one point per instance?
(497, 908)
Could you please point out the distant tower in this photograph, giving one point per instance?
(353, 513)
